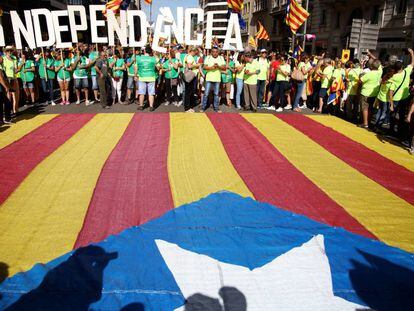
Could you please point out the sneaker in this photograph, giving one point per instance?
(288, 107)
(67, 103)
(7, 121)
(280, 109)
(239, 108)
(190, 110)
(62, 103)
(52, 103)
(219, 111)
(303, 106)
(179, 104)
(273, 108)
(167, 103)
(88, 103)
(78, 102)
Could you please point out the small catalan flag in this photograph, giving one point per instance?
(262, 33)
(296, 15)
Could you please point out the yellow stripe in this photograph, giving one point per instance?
(197, 162)
(390, 218)
(369, 140)
(22, 128)
(41, 219)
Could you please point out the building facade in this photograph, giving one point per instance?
(219, 8)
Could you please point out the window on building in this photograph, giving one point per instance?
(260, 5)
(401, 7)
(323, 18)
(375, 14)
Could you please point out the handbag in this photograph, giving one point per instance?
(297, 75)
(189, 75)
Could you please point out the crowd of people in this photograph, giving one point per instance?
(373, 93)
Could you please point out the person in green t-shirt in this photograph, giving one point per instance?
(262, 78)
(382, 102)
(352, 73)
(170, 69)
(80, 67)
(213, 64)
(251, 70)
(227, 78)
(305, 68)
(326, 80)
(133, 78)
(399, 95)
(63, 70)
(370, 83)
(93, 56)
(47, 75)
(27, 74)
(282, 85)
(118, 68)
(239, 70)
(190, 87)
(147, 66)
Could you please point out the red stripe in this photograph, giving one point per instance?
(133, 186)
(383, 171)
(22, 156)
(273, 179)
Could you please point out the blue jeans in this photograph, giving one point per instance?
(239, 91)
(47, 87)
(216, 90)
(383, 114)
(299, 92)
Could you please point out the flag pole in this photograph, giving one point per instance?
(305, 26)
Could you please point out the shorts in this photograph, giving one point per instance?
(365, 102)
(28, 85)
(323, 92)
(94, 81)
(131, 82)
(144, 87)
(81, 83)
(66, 80)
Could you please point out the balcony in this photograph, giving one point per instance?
(260, 5)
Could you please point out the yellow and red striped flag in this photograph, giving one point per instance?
(148, 1)
(235, 5)
(262, 33)
(296, 15)
(113, 5)
(252, 42)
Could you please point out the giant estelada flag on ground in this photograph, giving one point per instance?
(203, 211)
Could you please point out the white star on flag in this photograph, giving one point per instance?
(299, 279)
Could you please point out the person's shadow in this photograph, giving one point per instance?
(72, 285)
(233, 300)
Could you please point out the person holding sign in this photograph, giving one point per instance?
(170, 68)
(80, 65)
(27, 74)
(132, 75)
(10, 70)
(147, 66)
(213, 64)
(47, 75)
(227, 78)
(63, 67)
(118, 67)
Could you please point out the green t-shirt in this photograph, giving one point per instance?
(228, 77)
(147, 68)
(92, 57)
(189, 59)
(215, 74)
(383, 91)
(132, 66)
(63, 73)
(171, 72)
(264, 69)
(49, 63)
(252, 68)
(9, 66)
(239, 75)
(353, 79)
(119, 73)
(307, 66)
(27, 76)
(280, 76)
(80, 73)
(328, 71)
(370, 83)
(397, 80)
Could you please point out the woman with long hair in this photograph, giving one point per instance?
(118, 68)
(63, 70)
